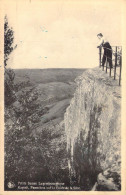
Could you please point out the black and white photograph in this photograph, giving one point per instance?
(63, 79)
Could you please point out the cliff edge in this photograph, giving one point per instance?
(93, 129)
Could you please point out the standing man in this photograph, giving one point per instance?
(107, 50)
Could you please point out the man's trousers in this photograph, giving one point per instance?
(107, 54)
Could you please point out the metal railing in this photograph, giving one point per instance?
(116, 62)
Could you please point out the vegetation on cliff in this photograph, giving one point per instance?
(35, 140)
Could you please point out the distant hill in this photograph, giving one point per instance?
(47, 75)
(55, 86)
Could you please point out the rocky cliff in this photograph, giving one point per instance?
(93, 129)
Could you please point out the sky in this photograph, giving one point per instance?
(60, 33)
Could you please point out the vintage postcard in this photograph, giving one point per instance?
(62, 97)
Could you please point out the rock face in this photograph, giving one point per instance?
(93, 129)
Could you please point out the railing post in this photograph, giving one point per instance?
(106, 65)
(111, 64)
(110, 72)
(115, 63)
(120, 70)
(100, 56)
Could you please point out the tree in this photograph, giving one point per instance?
(8, 40)
(9, 73)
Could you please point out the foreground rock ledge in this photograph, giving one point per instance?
(93, 129)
